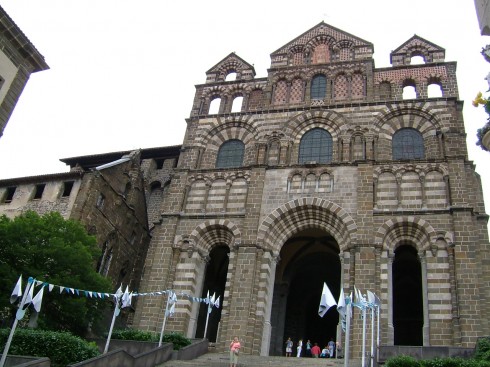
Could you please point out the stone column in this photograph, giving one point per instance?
(425, 299)
(391, 330)
(266, 333)
(454, 296)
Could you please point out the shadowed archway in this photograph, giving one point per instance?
(308, 259)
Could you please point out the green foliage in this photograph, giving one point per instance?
(402, 361)
(62, 348)
(483, 349)
(179, 341)
(56, 251)
(133, 334)
(444, 362)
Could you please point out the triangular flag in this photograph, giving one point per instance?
(50, 287)
(326, 301)
(341, 304)
(126, 300)
(38, 282)
(212, 299)
(37, 300)
(17, 292)
(216, 304)
(371, 298)
(61, 289)
(29, 297)
(171, 311)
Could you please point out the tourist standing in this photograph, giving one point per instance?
(289, 347)
(299, 347)
(331, 347)
(308, 348)
(315, 351)
(234, 350)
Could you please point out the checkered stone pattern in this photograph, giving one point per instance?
(255, 100)
(357, 86)
(297, 91)
(281, 93)
(341, 87)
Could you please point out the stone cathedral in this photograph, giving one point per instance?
(328, 170)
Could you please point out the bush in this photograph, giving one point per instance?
(483, 349)
(133, 334)
(62, 348)
(179, 341)
(402, 361)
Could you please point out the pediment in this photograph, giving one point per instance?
(417, 46)
(323, 33)
(231, 63)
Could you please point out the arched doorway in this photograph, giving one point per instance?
(308, 259)
(214, 282)
(408, 315)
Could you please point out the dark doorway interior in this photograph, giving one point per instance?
(214, 282)
(408, 316)
(308, 259)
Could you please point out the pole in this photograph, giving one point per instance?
(372, 336)
(116, 312)
(169, 296)
(30, 283)
(363, 337)
(207, 319)
(378, 307)
(348, 313)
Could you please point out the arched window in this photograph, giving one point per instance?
(408, 143)
(318, 87)
(316, 145)
(230, 154)
(214, 106)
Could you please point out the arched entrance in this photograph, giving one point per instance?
(308, 259)
(214, 282)
(408, 315)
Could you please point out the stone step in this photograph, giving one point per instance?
(222, 360)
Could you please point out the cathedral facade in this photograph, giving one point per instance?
(327, 170)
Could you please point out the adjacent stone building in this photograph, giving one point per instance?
(327, 170)
(18, 60)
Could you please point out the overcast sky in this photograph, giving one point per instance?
(122, 73)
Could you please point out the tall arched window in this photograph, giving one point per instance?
(230, 154)
(318, 87)
(316, 145)
(408, 143)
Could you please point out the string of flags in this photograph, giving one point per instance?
(123, 299)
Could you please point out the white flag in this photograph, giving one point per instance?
(29, 297)
(38, 299)
(17, 292)
(126, 299)
(326, 301)
(341, 304)
(216, 304)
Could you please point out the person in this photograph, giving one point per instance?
(234, 350)
(331, 347)
(299, 347)
(338, 350)
(315, 350)
(324, 352)
(289, 347)
(308, 348)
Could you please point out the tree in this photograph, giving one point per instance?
(57, 251)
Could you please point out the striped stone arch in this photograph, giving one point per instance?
(238, 127)
(236, 90)
(407, 228)
(305, 213)
(311, 73)
(300, 124)
(209, 93)
(442, 169)
(215, 232)
(318, 40)
(414, 115)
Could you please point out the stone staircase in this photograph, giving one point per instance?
(222, 360)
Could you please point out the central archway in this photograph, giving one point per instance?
(308, 259)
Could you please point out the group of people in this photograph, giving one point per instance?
(313, 350)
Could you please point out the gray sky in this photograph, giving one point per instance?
(123, 72)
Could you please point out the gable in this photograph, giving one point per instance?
(322, 35)
(231, 63)
(417, 46)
